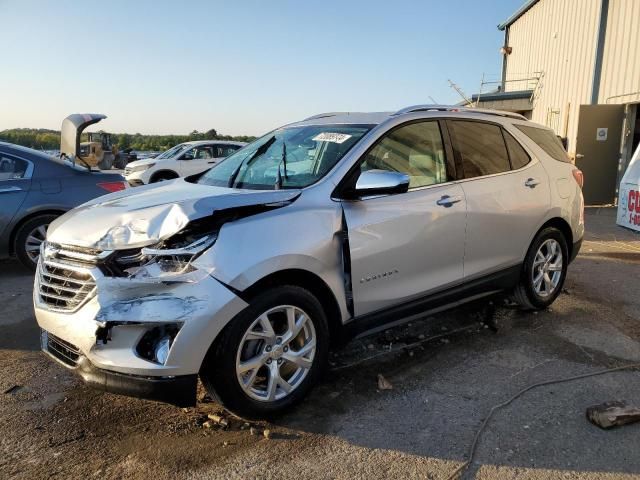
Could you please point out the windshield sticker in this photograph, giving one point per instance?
(331, 137)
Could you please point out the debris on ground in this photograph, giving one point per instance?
(267, 434)
(245, 425)
(254, 431)
(207, 424)
(613, 414)
(383, 383)
(219, 419)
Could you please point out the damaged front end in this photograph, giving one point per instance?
(135, 310)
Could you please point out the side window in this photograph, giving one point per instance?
(519, 157)
(205, 152)
(546, 140)
(415, 149)
(225, 150)
(12, 168)
(480, 147)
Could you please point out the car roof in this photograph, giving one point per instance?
(349, 118)
(428, 110)
(19, 149)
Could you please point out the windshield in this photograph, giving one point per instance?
(172, 152)
(292, 157)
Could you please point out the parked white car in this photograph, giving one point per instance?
(183, 160)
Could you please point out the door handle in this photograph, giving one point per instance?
(531, 183)
(446, 201)
(12, 188)
(579, 155)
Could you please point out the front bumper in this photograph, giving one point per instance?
(179, 390)
(102, 335)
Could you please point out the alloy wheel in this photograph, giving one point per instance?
(33, 242)
(276, 353)
(547, 268)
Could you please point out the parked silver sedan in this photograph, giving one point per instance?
(320, 230)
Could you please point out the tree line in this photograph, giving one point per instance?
(44, 139)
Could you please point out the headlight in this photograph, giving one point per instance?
(140, 168)
(178, 260)
(170, 257)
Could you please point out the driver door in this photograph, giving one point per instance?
(405, 246)
(196, 160)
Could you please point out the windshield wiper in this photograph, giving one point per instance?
(260, 151)
(283, 162)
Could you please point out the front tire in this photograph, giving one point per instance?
(544, 270)
(270, 355)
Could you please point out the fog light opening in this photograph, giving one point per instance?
(155, 344)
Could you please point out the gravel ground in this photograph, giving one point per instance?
(443, 388)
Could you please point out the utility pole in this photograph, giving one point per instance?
(461, 93)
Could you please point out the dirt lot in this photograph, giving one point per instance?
(53, 426)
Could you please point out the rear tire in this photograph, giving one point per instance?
(247, 358)
(28, 238)
(120, 162)
(107, 162)
(544, 271)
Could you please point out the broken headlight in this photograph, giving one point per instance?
(170, 257)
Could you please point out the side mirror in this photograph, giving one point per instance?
(381, 182)
(187, 156)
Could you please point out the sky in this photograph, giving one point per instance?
(241, 67)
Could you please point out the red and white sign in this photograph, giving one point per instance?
(629, 197)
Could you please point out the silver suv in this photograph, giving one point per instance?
(333, 226)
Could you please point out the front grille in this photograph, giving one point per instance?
(60, 349)
(64, 279)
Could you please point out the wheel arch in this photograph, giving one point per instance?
(25, 219)
(564, 227)
(165, 171)
(311, 282)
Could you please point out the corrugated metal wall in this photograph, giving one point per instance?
(621, 60)
(557, 37)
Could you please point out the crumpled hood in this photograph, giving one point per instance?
(145, 215)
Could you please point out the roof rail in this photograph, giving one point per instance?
(455, 108)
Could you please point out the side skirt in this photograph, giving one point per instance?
(489, 285)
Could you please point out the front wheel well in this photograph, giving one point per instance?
(310, 282)
(169, 174)
(22, 221)
(565, 229)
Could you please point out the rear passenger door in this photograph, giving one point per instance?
(405, 245)
(507, 193)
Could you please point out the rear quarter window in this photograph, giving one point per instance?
(547, 141)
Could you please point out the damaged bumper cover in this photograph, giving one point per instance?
(108, 341)
(179, 390)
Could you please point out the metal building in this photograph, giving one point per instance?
(574, 65)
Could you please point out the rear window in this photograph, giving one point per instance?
(546, 140)
(481, 148)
